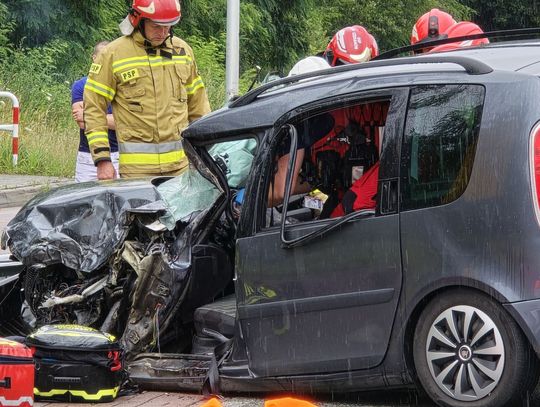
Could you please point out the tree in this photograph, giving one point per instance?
(504, 14)
(39, 21)
(6, 25)
(290, 29)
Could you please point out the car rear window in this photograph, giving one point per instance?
(439, 143)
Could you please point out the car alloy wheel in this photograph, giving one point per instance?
(465, 353)
(469, 352)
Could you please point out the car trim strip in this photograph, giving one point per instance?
(316, 304)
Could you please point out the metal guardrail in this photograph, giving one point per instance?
(14, 126)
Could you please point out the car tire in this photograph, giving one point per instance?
(469, 352)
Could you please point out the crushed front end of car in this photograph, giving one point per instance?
(120, 256)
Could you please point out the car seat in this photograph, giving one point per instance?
(214, 324)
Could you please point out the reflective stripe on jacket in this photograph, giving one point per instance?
(154, 96)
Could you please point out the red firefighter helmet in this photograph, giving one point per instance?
(431, 26)
(351, 45)
(460, 30)
(163, 12)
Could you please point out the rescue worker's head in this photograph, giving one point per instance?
(154, 18)
(431, 26)
(98, 48)
(459, 30)
(351, 45)
(155, 33)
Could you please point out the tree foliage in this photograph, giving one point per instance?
(274, 34)
(6, 26)
(39, 21)
(289, 29)
(503, 14)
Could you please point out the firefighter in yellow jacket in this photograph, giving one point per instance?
(151, 79)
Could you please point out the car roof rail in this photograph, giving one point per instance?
(472, 67)
(521, 32)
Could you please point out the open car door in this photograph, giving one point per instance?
(321, 296)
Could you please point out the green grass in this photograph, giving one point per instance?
(47, 146)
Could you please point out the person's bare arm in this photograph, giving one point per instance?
(77, 112)
(110, 122)
(277, 189)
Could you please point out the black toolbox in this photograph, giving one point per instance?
(76, 364)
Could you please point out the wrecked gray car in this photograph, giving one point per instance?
(435, 285)
(122, 256)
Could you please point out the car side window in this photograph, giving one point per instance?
(439, 145)
(337, 163)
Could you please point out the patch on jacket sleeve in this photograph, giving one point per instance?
(95, 68)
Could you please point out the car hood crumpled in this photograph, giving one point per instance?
(78, 225)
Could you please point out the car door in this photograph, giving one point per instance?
(327, 305)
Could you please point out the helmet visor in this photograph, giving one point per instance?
(166, 23)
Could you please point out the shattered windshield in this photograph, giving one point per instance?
(191, 192)
(185, 194)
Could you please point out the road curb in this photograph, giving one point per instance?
(19, 195)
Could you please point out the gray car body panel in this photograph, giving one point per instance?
(487, 239)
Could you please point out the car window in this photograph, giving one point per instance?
(439, 145)
(337, 163)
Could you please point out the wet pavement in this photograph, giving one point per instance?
(147, 399)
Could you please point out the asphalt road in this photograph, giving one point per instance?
(6, 214)
(147, 399)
